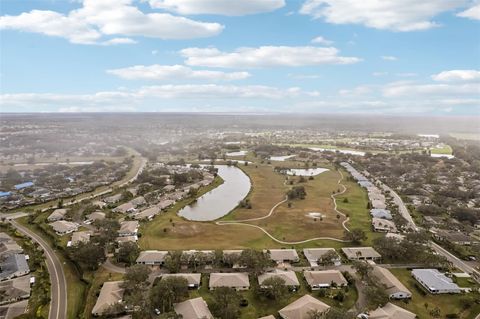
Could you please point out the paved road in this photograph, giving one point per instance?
(457, 262)
(113, 268)
(402, 208)
(58, 303)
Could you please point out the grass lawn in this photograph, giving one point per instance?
(442, 150)
(168, 231)
(259, 307)
(448, 304)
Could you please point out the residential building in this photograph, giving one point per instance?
(383, 225)
(289, 277)
(14, 289)
(95, 216)
(194, 279)
(124, 208)
(13, 265)
(113, 199)
(314, 254)
(13, 310)
(195, 308)
(435, 282)
(283, 255)
(381, 213)
(62, 227)
(147, 213)
(391, 311)
(393, 287)
(361, 253)
(128, 228)
(80, 236)
(110, 294)
(237, 281)
(324, 279)
(303, 307)
(57, 214)
(152, 257)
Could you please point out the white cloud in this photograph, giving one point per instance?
(322, 40)
(359, 90)
(265, 56)
(430, 90)
(174, 72)
(97, 19)
(389, 58)
(116, 41)
(220, 7)
(396, 15)
(472, 13)
(457, 75)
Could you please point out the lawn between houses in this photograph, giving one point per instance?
(423, 302)
(168, 231)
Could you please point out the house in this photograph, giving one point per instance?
(128, 228)
(324, 279)
(237, 281)
(152, 257)
(231, 257)
(195, 308)
(454, 237)
(303, 307)
(13, 265)
(14, 289)
(165, 204)
(383, 225)
(361, 253)
(314, 254)
(113, 199)
(391, 311)
(95, 216)
(124, 208)
(62, 227)
(194, 280)
(126, 239)
(148, 213)
(8, 245)
(99, 204)
(289, 277)
(393, 287)
(378, 203)
(283, 255)
(138, 201)
(435, 282)
(13, 310)
(80, 236)
(57, 214)
(169, 188)
(110, 294)
(23, 185)
(268, 317)
(381, 213)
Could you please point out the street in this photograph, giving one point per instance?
(58, 302)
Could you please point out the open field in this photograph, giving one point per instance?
(442, 150)
(448, 304)
(168, 231)
(262, 307)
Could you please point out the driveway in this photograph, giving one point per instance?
(58, 302)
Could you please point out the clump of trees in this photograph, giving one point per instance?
(166, 292)
(245, 203)
(297, 192)
(356, 235)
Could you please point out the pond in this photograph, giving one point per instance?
(281, 158)
(221, 200)
(238, 153)
(306, 172)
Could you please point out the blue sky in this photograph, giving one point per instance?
(379, 57)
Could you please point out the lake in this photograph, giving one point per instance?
(221, 200)
(281, 158)
(239, 153)
(306, 172)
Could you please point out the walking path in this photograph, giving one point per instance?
(272, 210)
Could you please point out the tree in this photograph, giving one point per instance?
(226, 303)
(87, 255)
(136, 288)
(376, 296)
(315, 314)
(128, 253)
(435, 312)
(168, 291)
(355, 235)
(363, 269)
(274, 288)
(328, 258)
(297, 192)
(173, 261)
(136, 277)
(339, 313)
(255, 260)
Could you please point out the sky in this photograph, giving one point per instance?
(303, 56)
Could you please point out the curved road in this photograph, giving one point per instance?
(58, 302)
(243, 222)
